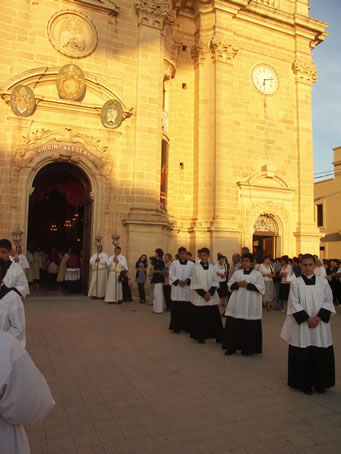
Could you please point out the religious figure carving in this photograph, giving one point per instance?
(265, 223)
(198, 51)
(222, 50)
(305, 72)
(154, 14)
(72, 34)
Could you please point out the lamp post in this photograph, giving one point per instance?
(16, 238)
(98, 240)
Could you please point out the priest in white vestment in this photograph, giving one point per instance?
(24, 263)
(99, 273)
(243, 328)
(15, 276)
(25, 397)
(116, 263)
(62, 266)
(180, 275)
(307, 331)
(206, 316)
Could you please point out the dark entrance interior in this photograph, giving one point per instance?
(60, 213)
(264, 244)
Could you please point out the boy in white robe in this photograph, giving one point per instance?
(116, 263)
(25, 397)
(99, 273)
(15, 276)
(307, 331)
(243, 329)
(180, 275)
(206, 316)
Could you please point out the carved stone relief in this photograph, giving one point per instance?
(265, 223)
(154, 14)
(72, 34)
(305, 72)
(222, 50)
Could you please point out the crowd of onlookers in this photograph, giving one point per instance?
(277, 274)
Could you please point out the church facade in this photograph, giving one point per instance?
(185, 122)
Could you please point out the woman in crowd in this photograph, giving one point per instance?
(286, 276)
(267, 271)
(141, 276)
(320, 269)
(222, 271)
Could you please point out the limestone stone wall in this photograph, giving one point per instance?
(183, 72)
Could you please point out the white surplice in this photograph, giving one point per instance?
(15, 277)
(308, 298)
(180, 272)
(243, 303)
(98, 270)
(12, 316)
(204, 279)
(113, 292)
(25, 397)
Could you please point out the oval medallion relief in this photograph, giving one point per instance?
(72, 34)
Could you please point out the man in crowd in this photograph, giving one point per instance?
(116, 263)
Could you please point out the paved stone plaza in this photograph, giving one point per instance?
(125, 385)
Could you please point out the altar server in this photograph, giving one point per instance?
(98, 263)
(25, 397)
(243, 329)
(307, 331)
(12, 314)
(15, 276)
(180, 275)
(116, 264)
(206, 316)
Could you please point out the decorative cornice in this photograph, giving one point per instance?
(222, 50)
(154, 14)
(305, 72)
(107, 6)
(270, 3)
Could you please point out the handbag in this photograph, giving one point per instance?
(290, 277)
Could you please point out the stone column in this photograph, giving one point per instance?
(224, 229)
(146, 221)
(307, 234)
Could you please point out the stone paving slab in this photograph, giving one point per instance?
(125, 385)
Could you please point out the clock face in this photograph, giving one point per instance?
(265, 79)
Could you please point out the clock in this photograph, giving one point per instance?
(265, 79)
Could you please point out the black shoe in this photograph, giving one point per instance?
(176, 331)
(244, 353)
(320, 390)
(229, 352)
(308, 391)
(201, 341)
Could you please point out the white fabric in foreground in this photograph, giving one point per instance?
(25, 397)
(243, 303)
(12, 316)
(310, 298)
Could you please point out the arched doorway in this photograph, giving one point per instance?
(265, 236)
(60, 212)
